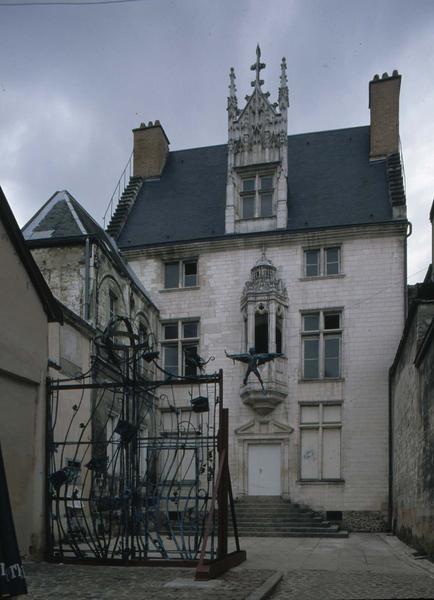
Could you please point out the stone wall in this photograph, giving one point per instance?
(370, 294)
(412, 388)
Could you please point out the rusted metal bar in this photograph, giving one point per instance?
(233, 515)
(214, 568)
(209, 521)
(222, 497)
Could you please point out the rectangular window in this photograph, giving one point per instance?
(320, 441)
(257, 196)
(311, 263)
(248, 207)
(321, 345)
(331, 261)
(322, 262)
(180, 274)
(179, 346)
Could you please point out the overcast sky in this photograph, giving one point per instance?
(74, 81)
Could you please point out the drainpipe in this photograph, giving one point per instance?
(87, 281)
(390, 507)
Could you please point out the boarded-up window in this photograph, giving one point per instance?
(320, 441)
(309, 454)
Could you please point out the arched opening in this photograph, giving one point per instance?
(261, 332)
(279, 329)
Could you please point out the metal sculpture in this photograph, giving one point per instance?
(254, 360)
(137, 465)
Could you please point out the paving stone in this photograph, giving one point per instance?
(87, 582)
(330, 585)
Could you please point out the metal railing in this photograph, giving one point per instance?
(119, 190)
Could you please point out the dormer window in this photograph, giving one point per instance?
(256, 196)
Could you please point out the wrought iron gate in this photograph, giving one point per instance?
(136, 464)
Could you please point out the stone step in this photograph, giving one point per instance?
(290, 534)
(277, 522)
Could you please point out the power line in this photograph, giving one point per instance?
(67, 2)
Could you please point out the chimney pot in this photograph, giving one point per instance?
(385, 75)
(376, 77)
(395, 73)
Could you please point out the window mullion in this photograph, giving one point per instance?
(320, 440)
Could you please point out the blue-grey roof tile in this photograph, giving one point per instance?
(330, 183)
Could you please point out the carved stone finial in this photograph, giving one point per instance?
(232, 87)
(283, 89)
(258, 66)
(232, 98)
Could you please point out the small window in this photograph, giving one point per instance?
(248, 207)
(332, 261)
(266, 205)
(311, 258)
(190, 273)
(332, 320)
(171, 275)
(180, 342)
(321, 345)
(311, 322)
(322, 262)
(180, 274)
(256, 197)
(248, 185)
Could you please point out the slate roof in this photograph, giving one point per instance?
(330, 183)
(62, 220)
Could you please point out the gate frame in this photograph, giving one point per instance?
(222, 496)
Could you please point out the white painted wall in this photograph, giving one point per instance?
(370, 293)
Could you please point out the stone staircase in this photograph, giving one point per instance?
(271, 516)
(123, 208)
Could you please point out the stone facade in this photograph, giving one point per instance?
(359, 292)
(412, 396)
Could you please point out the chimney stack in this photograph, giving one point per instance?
(384, 105)
(151, 149)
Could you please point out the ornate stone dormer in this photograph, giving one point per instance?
(256, 197)
(264, 303)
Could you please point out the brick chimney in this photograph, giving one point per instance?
(384, 105)
(151, 149)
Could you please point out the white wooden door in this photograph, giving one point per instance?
(264, 470)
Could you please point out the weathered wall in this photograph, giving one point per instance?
(23, 368)
(370, 293)
(413, 437)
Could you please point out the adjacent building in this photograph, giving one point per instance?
(412, 422)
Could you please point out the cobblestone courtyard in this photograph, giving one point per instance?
(364, 566)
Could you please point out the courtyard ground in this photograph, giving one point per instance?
(364, 566)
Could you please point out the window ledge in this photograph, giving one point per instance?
(255, 219)
(323, 380)
(316, 277)
(320, 481)
(179, 289)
